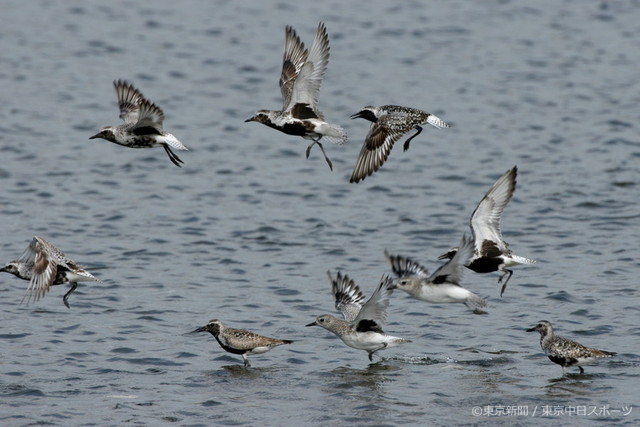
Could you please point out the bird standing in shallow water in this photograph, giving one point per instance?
(389, 124)
(142, 126)
(240, 341)
(44, 266)
(443, 286)
(492, 253)
(300, 80)
(566, 352)
(362, 325)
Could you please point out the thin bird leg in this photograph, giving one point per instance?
(581, 370)
(317, 141)
(406, 143)
(504, 286)
(74, 285)
(246, 361)
(371, 353)
(172, 156)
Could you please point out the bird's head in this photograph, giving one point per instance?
(106, 133)
(367, 113)
(261, 116)
(214, 327)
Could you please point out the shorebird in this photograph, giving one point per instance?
(492, 253)
(44, 266)
(362, 325)
(566, 352)
(300, 80)
(389, 124)
(240, 341)
(443, 286)
(142, 126)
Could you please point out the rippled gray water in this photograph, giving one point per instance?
(247, 229)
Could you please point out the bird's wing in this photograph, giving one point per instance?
(406, 267)
(375, 308)
(46, 260)
(485, 220)
(129, 99)
(241, 339)
(451, 271)
(347, 296)
(150, 116)
(293, 59)
(306, 86)
(375, 150)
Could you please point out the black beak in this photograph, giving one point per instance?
(201, 329)
(97, 135)
(357, 115)
(531, 330)
(250, 119)
(3, 269)
(312, 324)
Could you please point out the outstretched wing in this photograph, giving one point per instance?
(375, 309)
(129, 99)
(406, 267)
(150, 116)
(306, 86)
(294, 58)
(485, 220)
(46, 259)
(347, 295)
(375, 150)
(451, 271)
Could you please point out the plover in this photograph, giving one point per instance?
(492, 253)
(142, 126)
(389, 124)
(443, 286)
(566, 352)
(302, 73)
(44, 266)
(240, 341)
(362, 325)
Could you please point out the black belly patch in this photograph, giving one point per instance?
(563, 361)
(231, 349)
(485, 265)
(297, 129)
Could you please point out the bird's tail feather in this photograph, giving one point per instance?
(522, 260)
(333, 133)
(476, 303)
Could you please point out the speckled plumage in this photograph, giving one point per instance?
(44, 266)
(240, 341)
(364, 330)
(564, 351)
(491, 252)
(142, 126)
(443, 286)
(300, 80)
(389, 124)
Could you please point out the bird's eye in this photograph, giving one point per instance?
(321, 320)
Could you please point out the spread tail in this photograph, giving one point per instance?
(476, 303)
(333, 133)
(522, 260)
